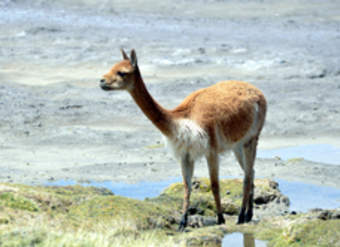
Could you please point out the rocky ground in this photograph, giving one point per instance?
(57, 124)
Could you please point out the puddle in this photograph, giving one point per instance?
(138, 191)
(302, 196)
(322, 153)
(238, 239)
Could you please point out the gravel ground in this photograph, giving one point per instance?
(56, 123)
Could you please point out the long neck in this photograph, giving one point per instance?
(159, 116)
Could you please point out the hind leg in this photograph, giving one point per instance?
(213, 165)
(246, 154)
(187, 166)
(238, 152)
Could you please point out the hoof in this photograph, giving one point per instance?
(245, 217)
(220, 219)
(241, 216)
(240, 221)
(248, 217)
(183, 223)
(181, 227)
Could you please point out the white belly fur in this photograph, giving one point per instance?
(190, 139)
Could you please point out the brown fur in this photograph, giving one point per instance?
(228, 104)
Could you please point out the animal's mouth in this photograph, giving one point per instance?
(104, 86)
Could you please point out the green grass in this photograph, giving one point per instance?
(87, 216)
(115, 237)
(12, 200)
(310, 233)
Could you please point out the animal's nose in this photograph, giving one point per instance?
(102, 83)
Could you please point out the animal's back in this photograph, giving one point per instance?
(230, 106)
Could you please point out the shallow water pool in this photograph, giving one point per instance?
(138, 191)
(322, 153)
(238, 239)
(302, 196)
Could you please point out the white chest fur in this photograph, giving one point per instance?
(190, 139)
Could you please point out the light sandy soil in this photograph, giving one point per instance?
(57, 124)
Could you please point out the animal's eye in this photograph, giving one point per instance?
(121, 74)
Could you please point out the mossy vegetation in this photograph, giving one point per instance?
(88, 216)
(79, 216)
(12, 200)
(304, 230)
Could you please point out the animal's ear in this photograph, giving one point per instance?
(124, 54)
(133, 58)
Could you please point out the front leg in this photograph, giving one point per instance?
(187, 172)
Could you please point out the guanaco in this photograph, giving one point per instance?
(226, 116)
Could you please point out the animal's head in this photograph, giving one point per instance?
(122, 75)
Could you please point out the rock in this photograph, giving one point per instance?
(268, 199)
(318, 74)
(67, 107)
(269, 202)
(195, 185)
(197, 221)
(229, 207)
(325, 214)
(274, 185)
